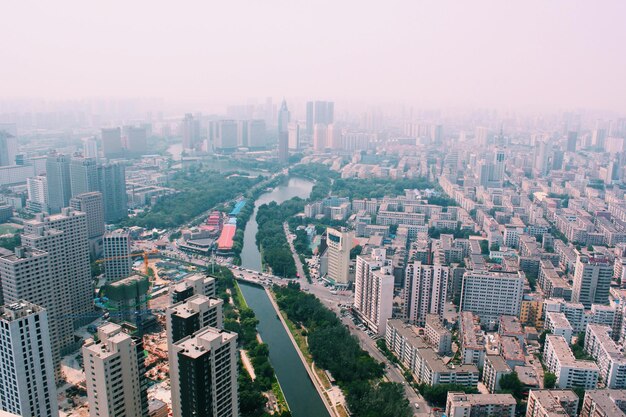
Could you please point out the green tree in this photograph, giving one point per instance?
(549, 380)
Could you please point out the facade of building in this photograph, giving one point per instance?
(604, 403)
(339, 246)
(608, 355)
(69, 256)
(27, 275)
(27, 377)
(592, 280)
(492, 294)
(92, 205)
(112, 180)
(112, 142)
(117, 261)
(83, 175)
(373, 290)
(59, 183)
(548, 403)
(206, 374)
(425, 291)
(459, 404)
(115, 374)
(570, 372)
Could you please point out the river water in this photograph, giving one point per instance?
(301, 395)
(296, 187)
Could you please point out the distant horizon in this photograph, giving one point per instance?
(484, 54)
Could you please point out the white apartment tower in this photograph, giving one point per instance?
(206, 367)
(373, 290)
(492, 294)
(69, 256)
(339, 245)
(425, 291)
(592, 280)
(26, 371)
(115, 374)
(92, 205)
(117, 264)
(27, 275)
(37, 193)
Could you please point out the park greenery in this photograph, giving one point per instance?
(11, 242)
(198, 191)
(271, 239)
(240, 319)
(334, 349)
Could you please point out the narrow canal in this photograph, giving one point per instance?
(303, 398)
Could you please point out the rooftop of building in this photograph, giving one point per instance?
(607, 399)
(551, 400)
(471, 332)
(498, 363)
(18, 310)
(200, 342)
(192, 305)
(460, 398)
(558, 320)
(565, 355)
(510, 325)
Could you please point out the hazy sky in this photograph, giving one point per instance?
(487, 53)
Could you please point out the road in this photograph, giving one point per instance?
(296, 258)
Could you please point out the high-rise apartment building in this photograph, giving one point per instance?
(283, 132)
(206, 371)
(257, 134)
(339, 246)
(8, 147)
(90, 148)
(373, 290)
(26, 275)
(112, 179)
(93, 206)
(492, 294)
(37, 194)
(69, 256)
(425, 291)
(136, 140)
(183, 319)
(190, 132)
(112, 142)
(59, 182)
(83, 175)
(592, 279)
(27, 385)
(115, 374)
(118, 264)
(225, 134)
(320, 140)
(195, 284)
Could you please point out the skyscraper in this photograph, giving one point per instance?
(117, 264)
(27, 385)
(190, 131)
(373, 290)
(283, 133)
(225, 135)
(320, 140)
(8, 148)
(425, 291)
(93, 206)
(136, 140)
(339, 246)
(27, 275)
(83, 175)
(592, 279)
(206, 370)
(59, 182)
(257, 134)
(319, 112)
(69, 256)
(572, 139)
(112, 180)
(115, 374)
(112, 142)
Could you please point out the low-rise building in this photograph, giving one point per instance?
(604, 403)
(460, 404)
(495, 368)
(437, 335)
(552, 403)
(472, 339)
(570, 372)
(608, 355)
(557, 324)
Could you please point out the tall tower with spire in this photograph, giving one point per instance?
(283, 133)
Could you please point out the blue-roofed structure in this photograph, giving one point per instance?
(237, 208)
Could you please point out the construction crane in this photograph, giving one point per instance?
(146, 255)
